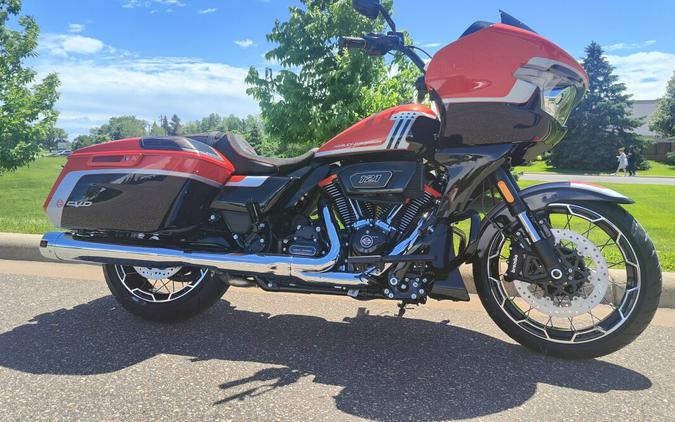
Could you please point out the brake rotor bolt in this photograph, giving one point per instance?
(415, 284)
(386, 291)
(424, 280)
(421, 291)
(393, 281)
(413, 296)
(404, 286)
(390, 296)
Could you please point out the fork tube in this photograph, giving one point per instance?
(540, 237)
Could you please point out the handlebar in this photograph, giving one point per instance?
(351, 42)
(381, 44)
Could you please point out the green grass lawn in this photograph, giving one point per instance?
(653, 208)
(656, 169)
(23, 192)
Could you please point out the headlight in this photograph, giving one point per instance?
(561, 88)
(560, 98)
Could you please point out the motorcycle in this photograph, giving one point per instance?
(384, 210)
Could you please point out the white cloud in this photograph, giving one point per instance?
(63, 45)
(245, 43)
(76, 28)
(645, 73)
(132, 4)
(431, 45)
(207, 11)
(112, 82)
(629, 46)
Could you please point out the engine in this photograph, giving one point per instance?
(376, 222)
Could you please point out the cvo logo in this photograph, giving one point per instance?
(78, 204)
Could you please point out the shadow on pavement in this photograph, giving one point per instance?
(405, 369)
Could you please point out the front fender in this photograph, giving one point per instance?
(538, 196)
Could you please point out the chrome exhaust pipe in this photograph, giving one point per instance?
(61, 246)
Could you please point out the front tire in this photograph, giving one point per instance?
(614, 325)
(182, 294)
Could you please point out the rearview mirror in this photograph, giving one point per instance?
(368, 8)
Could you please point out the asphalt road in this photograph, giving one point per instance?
(68, 351)
(637, 180)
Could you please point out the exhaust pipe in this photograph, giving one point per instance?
(62, 247)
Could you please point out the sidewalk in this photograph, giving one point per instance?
(24, 247)
(637, 180)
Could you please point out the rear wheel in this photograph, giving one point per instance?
(164, 294)
(607, 297)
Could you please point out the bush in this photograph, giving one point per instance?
(670, 158)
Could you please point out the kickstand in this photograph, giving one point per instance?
(401, 309)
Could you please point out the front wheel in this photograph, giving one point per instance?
(164, 294)
(606, 299)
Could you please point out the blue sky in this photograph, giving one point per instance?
(152, 57)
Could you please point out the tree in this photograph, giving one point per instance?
(26, 108)
(253, 131)
(82, 141)
(122, 127)
(320, 91)
(164, 123)
(54, 136)
(175, 126)
(663, 120)
(601, 124)
(157, 130)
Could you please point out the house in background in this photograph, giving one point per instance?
(658, 145)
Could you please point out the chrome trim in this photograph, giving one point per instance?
(529, 227)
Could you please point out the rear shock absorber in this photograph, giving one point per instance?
(337, 197)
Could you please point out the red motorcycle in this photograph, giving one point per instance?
(375, 212)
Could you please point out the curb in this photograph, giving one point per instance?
(25, 247)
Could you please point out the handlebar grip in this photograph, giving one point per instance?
(351, 42)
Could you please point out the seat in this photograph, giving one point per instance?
(246, 160)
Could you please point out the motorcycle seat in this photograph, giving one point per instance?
(244, 157)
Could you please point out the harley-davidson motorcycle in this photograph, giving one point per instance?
(387, 209)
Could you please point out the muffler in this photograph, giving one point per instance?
(63, 247)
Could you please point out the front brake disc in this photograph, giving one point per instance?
(587, 296)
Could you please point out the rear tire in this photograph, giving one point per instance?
(635, 322)
(198, 296)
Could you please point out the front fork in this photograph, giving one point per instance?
(538, 233)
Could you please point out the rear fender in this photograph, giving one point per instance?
(539, 196)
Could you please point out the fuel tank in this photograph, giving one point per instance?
(410, 127)
(500, 83)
